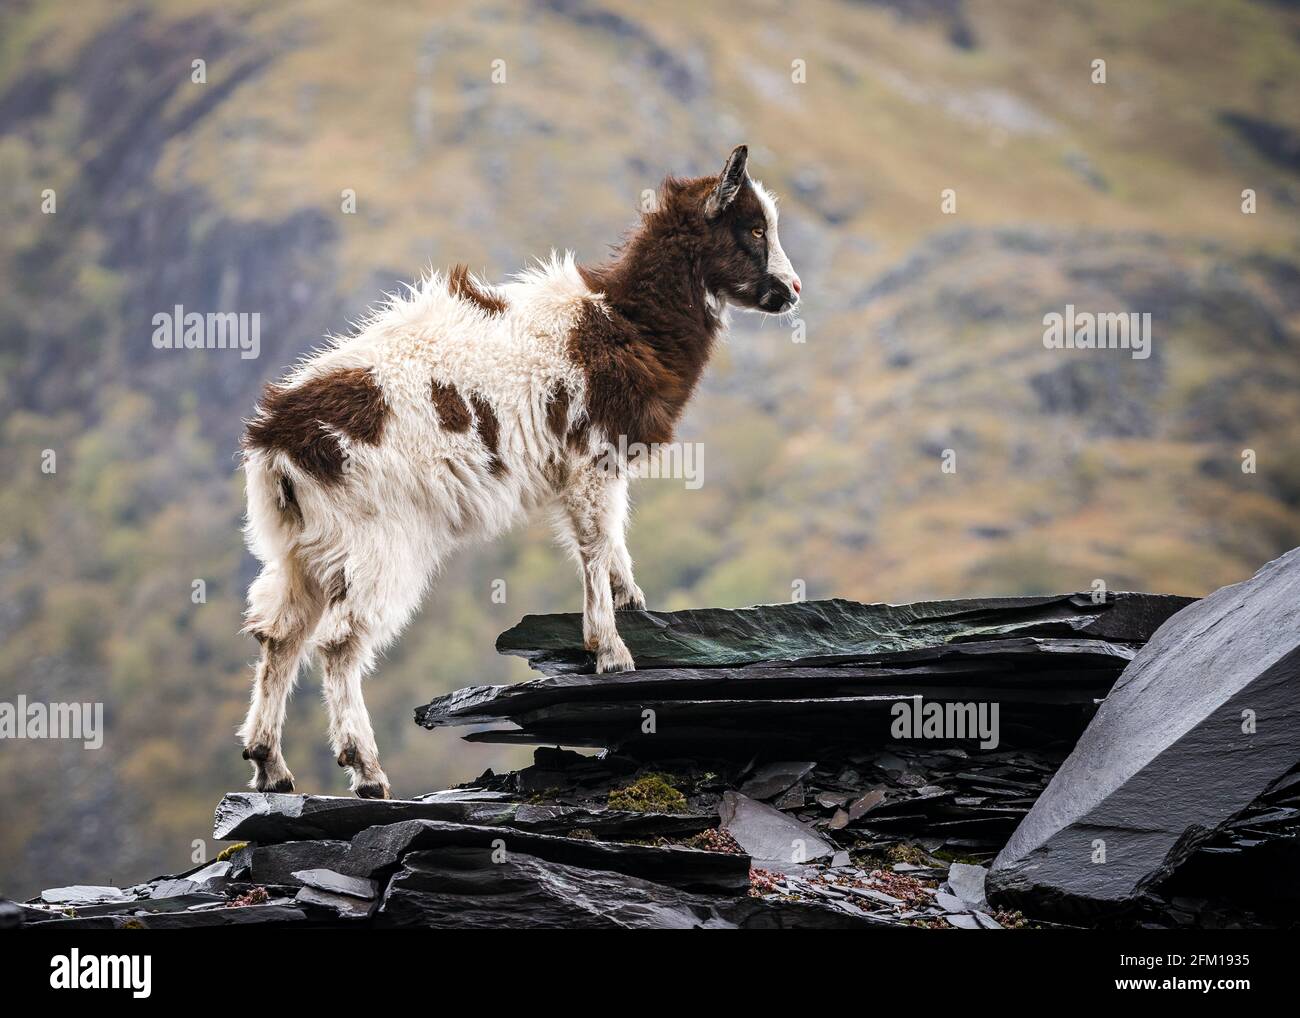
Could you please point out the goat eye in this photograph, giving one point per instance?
(758, 232)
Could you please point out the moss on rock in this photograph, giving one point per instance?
(650, 793)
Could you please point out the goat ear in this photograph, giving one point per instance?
(729, 183)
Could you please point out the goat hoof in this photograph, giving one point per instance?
(629, 600)
(259, 753)
(612, 661)
(374, 790)
(264, 782)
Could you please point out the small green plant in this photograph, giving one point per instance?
(650, 793)
(230, 850)
(906, 852)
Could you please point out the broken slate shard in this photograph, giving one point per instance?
(1202, 724)
(772, 839)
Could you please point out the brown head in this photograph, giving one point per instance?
(741, 256)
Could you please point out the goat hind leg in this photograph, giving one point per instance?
(280, 612)
(346, 660)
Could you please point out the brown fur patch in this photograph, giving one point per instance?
(288, 500)
(339, 589)
(489, 432)
(645, 346)
(452, 412)
(632, 389)
(461, 285)
(557, 410)
(577, 436)
(293, 419)
(339, 648)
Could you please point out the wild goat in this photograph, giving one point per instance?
(459, 407)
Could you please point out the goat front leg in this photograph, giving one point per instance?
(627, 595)
(595, 503)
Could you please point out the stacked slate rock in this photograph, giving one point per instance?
(809, 676)
(749, 775)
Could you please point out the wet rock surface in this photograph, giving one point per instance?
(774, 787)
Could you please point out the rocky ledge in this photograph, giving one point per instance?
(821, 764)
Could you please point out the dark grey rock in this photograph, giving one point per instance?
(211, 876)
(147, 906)
(249, 915)
(462, 888)
(716, 637)
(171, 888)
(818, 678)
(770, 780)
(83, 894)
(773, 840)
(609, 824)
(276, 864)
(1068, 672)
(342, 906)
(378, 849)
(967, 883)
(338, 883)
(1167, 760)
(269, 817)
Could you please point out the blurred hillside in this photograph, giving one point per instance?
(822, 458)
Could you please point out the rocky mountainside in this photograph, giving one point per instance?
(822, 458)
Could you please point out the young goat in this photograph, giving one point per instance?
(456, 409)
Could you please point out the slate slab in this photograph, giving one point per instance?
(967, 883)
(771, 779)
(772, 839)
(376, 850)
(342, 906)
(270, 817)
(715, 637)
(461, 888)
(1199, 726)
(277, 863)
(334, 882)
(83, 894)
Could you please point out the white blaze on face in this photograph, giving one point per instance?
(778, 264)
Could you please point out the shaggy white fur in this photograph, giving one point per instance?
(408, 501)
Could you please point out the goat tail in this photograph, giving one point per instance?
(275, 519)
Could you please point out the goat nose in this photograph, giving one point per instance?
(796, 285)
